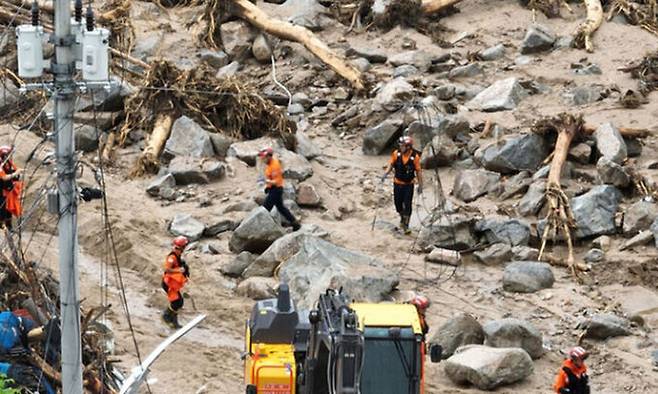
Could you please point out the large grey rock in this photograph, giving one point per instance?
(185, 224)
(160, 184)
(580, 153)
(236, 267)
(393, 95)
(493, 53)
(495, 254)
(9, 95)
(583, 95)
(372, 54)
(220, 144)
(417, 58)
(471, 184)
(513, 232)
(307, 196)
(527, 277)
(256, 232)
(502, 95)
(381, 136)
(487, 368)
(467, 71)
(295, 166)
(524, 152)
(257, 288)
(538, 38)
(516, 185)
(305, 146)
(310, 265)
(188, 170)
(507, 333)
(450, 126)
(611, 173)
(261, 49)
(524, 253)
(458, 331)
(533, 200)
(404, 71)
(639, 216)
(441, 151)
(642, 238)
(247, 151)
(236, 38)
(215, 59)
(188, 139)
(220, 226)
(605, 325)
(86, 138)
(595, 211)
(610, 143)
(448, 231)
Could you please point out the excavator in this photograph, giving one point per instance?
(339, 347)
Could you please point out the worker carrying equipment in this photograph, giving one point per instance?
(274, 186)
(406, 163)
(572, 377)
(11, 186)
(176, 274)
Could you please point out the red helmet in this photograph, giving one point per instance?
(578, 353)
(5, 150)
(265, 152)
(406, 140)
(421, 302)
(181, 241)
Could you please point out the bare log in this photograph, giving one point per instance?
(583, 36)
(287, 31)
(627, 132)
(432, 6)
(148, 161)
(108, 149)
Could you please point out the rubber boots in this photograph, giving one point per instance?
(405, 224)
(171, 318)
(174, 320)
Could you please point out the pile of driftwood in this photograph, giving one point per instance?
(33, 294)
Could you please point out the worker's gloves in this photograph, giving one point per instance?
(420, 189)
(383, 177)
(16, 176)
(186, 269)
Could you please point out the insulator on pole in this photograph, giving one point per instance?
(35, 13)
(90, 18)
(78, 10)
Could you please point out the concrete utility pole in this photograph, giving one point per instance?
(65, 89)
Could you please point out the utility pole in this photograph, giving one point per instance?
(65, 89)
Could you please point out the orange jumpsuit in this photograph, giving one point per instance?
(174, 281)
(11, 190)
(562, 380)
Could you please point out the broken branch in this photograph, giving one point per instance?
(583, 36)
(148, 161)
(432, 6)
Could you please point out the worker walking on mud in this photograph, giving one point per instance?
(406, 163)
(572, 377)
(274, 186)
(176, 274)
(10, 196)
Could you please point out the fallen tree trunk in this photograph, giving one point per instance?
(148, 161)
(432, 6)
(244, 9)
(583, 36)
(627, 132)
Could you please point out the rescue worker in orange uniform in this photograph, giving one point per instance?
(176, 274)
(274, 186)
(572, 378)
(406, 163)
(11, 186)
(421, 303)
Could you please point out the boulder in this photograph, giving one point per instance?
(471, 184)
(417, 58)
(305, 146)
(261, 49)
(160, 184)
(510, 231)
(611, 173)
(307, 196)
(639, 216)
(448, 231)
(236, 38)
(295, 166)
(236, 267)
(492, 53)
(188, 139)
(516, 185)
(310, 265)
(445, 92)
(507, 333)
(219, 227)
(605, 325)
(372, 54)
(256, 232)
(228, 70)
(440, 152)
(527, 276)
(595, 211)
(405, 71)
(524, 253)
(487, 368)
(533, 200)
(594, 256)
(215, 59)
(9, 95)
(642, 238)
(583, 95)
(393, 95)
(188, 170)
(466, 71)
(86, 138)
(610, 144)
(502, 95)
(495, 254)
(378, 138)
(247, 151)
(458, 331)
(220, 143)
(580, 153)
(538, 38)
(524, 152)
(184, 224)
(654, 230)
(257, 288)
